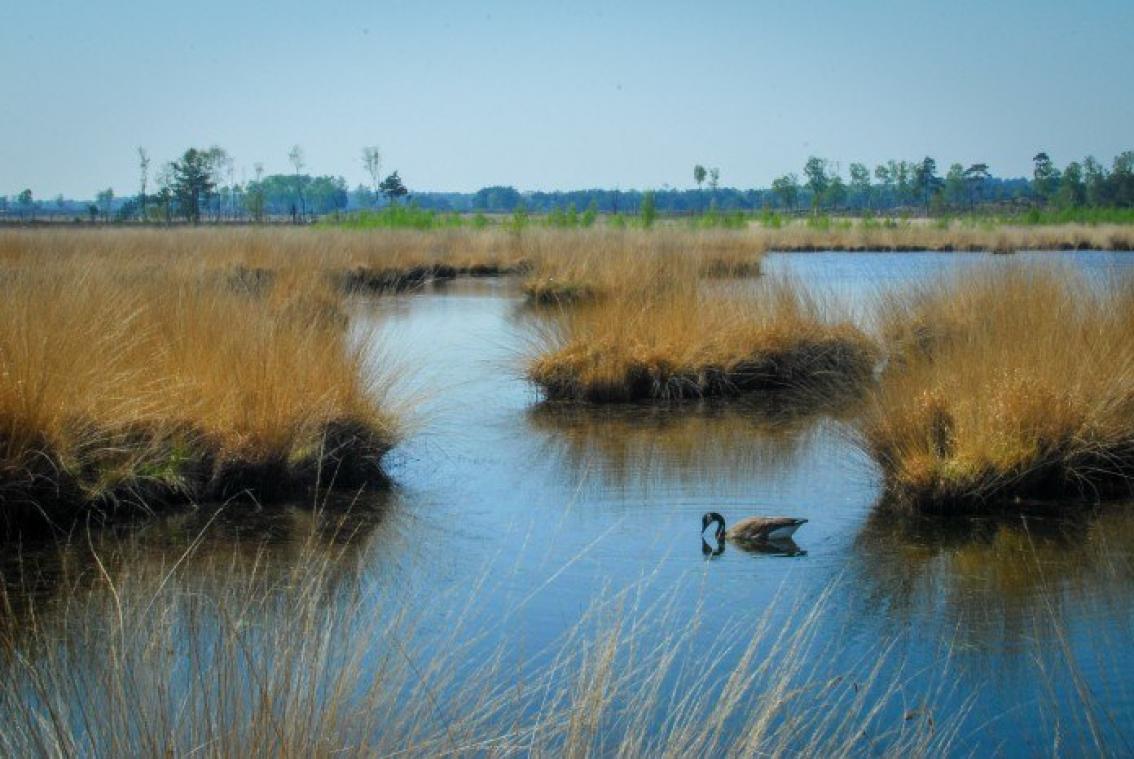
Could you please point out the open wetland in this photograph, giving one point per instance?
(533, 578)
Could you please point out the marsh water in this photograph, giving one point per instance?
(522, 515)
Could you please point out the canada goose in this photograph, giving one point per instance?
(753, 529)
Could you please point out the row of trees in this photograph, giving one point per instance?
(917, 183)
(191, 186)
(889, 186)
(201, 185)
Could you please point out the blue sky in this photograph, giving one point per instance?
(556, 95)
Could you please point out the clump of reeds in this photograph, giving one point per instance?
(685, 343)
(120, 382)
(1002, 245)
(549, 291)
(1014, 384)
(570, 266)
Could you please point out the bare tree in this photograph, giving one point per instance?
(254, 200)
(143, 171)
(164, 178)
(699, 177)
(295, 155)
(219, 165)
(372, 160)
(231, 189)
(105, 200)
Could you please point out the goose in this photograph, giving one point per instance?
(753, 529)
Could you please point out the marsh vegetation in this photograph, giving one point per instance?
(532, 585)
(1006, 387)
(687, 343)
(134, 376)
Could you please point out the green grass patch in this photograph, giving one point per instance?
(398, 217)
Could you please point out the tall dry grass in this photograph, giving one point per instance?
(911, 236)
(687, 343)
(563, 263)
(220, 657)
(389, 259)
(1014, 384)
(126, 379)
(580, 265)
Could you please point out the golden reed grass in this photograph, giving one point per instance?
(913, 236)
(365, 260)
(688, 343)
(124, 377)
(579, 265)
(1017, 384)
(563, 263)
(239, 656)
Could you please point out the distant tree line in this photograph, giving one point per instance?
(918, 184)
(201, 186)
(915, 186)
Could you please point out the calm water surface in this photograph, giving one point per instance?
(534, 512)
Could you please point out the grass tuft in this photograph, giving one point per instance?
(1014, 386)
(586, 265)
(121, 382)
(687, 344)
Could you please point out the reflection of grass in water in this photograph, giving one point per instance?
(148, 659)
(998, 569)
(234, 652)
(1048, 597)
(219, 542)
(697, 439)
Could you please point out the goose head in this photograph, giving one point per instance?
(708, 518)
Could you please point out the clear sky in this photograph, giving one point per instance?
(546, 95)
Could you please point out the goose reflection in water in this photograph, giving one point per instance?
(786, 547)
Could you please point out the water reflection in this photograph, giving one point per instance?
(990, 578)
(785, 548)
(710, 440)
(210, 549)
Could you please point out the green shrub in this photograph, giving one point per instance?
(590, 215)
(649, 209)
(392, 217)
(519, 218)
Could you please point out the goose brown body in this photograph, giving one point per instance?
(764, 528)
(753, 529)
